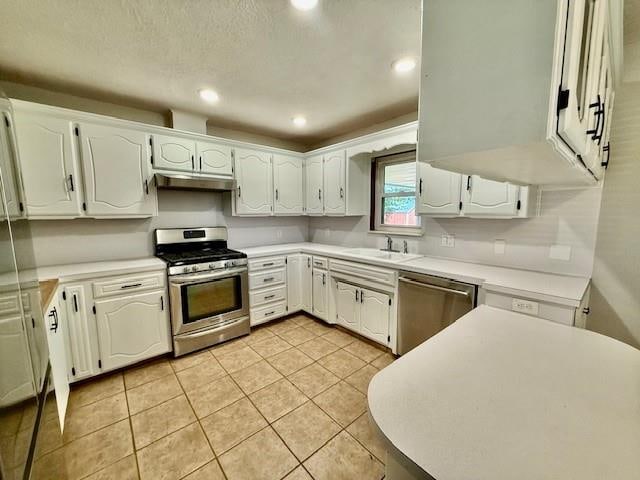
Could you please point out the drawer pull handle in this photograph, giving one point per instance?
(317, 264)
(267, 297)
(268, 279)
(54, 325)
(270, 264)
(131, 285)
(269, 313)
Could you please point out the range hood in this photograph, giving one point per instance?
(192, 182)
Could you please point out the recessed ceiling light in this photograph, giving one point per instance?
(299, 121)
(304, 4)
(404, 65)
(208, 95)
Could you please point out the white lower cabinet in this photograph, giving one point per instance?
(306, 280)
(269, 287)
(348, 306)
(82, 357)
(320, 288)
(132, 328)
(294, 283)
(364, 311)
(57, 355)
(16, 381)
(105, 328)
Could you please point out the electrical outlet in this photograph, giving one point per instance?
(560, 252)
(524, 306)
(448, 241)
(451, 242)
(499, 247)
(279, 233)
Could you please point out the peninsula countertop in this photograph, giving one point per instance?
(499, 395)
(564, 289)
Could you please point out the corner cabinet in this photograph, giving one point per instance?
(131, 328)
(117, 171)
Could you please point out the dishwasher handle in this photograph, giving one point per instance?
(434, 287)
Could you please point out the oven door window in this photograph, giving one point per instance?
(210, 298)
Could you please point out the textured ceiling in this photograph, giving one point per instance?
(267, 60)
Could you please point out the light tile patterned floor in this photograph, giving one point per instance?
(287, 401)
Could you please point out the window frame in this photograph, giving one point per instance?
(378, 165)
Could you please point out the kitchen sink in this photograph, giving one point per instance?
(382, 254)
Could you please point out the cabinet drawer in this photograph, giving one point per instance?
(554, 312)
(9, 304)
(266, 263)
(320, 262)
(268, 312)
(374, 274)
(266, 278)
(130, 283)
(260, 297)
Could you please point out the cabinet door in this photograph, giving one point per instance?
(320, 294)
(438, 191)
(307, 283)
(132, 328)
(174, 153)
(214, 159)
(313, 186)
(58, 357)
(8, 168)
(16, 380)
(253, 175)
(47, 158)
(489, 198)
(334, 183)
(81, 359)
(117, 171)
(374, 315)
(348, 306)
(294, 284)
(584, 21)
(287, 185)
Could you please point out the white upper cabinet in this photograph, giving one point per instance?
(334, 183)
(49, 167)
(288, 185)
(518, 97)
(253, 176)
(132, 328)
(438, 191)
(487, 197)
(313, 186)
(9, 172)
(214, 159)
(174, 153)
(117, 171)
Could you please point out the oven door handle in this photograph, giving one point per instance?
(198, 277)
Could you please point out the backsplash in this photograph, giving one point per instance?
(59, 242)
(567, 218)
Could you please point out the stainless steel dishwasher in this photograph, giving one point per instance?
(429, 304)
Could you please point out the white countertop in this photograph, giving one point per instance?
(82, 271)
(563, 289)
(499, 396)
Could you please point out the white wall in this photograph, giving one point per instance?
(85, 240)
(567, 217)
(615, 295)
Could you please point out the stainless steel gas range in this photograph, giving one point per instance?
(208, 287)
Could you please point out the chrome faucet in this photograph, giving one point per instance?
(389, 245)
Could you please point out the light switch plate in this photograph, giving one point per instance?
(451, 241)
(524, 306)
(560, 252)
(499, 247)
